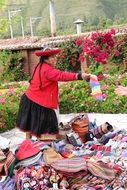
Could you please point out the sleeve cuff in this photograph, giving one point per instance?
(79, 76)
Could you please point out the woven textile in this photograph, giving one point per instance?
(51, 156)
(70, 165)
(2, 155)
(6, 163)
(101, 169)
(77, 164)
(8, 184)
(95, 87)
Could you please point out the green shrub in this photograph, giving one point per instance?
(11, 66)
(119, 52)
(75, 97)
(68, 59)
(9, 103)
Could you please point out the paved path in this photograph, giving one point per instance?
(117, 120)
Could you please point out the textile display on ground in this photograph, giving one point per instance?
(97, 162)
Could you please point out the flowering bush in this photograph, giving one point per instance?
(68, 59)
(105, 53)
(9, 103)
(11, 67)
(98, 46)
(119, 52)
(75, 97)
(97, 49)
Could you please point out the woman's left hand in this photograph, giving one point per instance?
(86, 77)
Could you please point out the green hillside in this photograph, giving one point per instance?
(94, 13)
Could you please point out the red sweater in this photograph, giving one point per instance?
(48, 95)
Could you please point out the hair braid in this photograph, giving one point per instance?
(33, 72)
(42, 59)
(40, 86)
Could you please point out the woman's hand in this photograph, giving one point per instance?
(121, 91)
(86, 77)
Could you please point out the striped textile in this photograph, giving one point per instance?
(97, 168)
(101, 169)
(29, 161)
(75, 174)
(5, 164)
(70, 165)
(8, 184)
(2, 155)
(95, 87)
(102, 129)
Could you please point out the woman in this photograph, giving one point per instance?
(37, 107)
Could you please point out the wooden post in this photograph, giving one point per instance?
(10, 24)
(52, 18)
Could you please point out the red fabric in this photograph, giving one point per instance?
(26, 150)
(47, 52)
(48, 95)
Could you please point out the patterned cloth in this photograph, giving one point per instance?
(101, 169)
(70, 165)
(6, 163)
(8, 184)
(95, 87)
(97, 168)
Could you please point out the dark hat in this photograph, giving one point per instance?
(47, 52)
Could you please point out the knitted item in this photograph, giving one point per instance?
(80, 125)
(105, 138)
(89, 136)
(99, 131)
(95, 87)
(74, 139)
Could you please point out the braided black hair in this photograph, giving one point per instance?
(41, 61)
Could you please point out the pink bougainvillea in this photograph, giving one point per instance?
(97, 46)
(10, 91)
(2, 100)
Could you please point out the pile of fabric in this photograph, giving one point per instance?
(97, 162)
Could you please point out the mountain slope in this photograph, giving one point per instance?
(67, 11)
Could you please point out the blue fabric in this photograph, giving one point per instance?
(8, 184)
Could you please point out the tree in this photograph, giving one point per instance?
(109, 22)
(3, 27)
(3, 22)
(102, 23)
(2, 4)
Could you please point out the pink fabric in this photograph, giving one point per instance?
(26, 150)
(124, 139)
(48, 95)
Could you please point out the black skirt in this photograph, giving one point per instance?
(35, 118)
